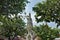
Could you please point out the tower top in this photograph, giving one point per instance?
(29, 14)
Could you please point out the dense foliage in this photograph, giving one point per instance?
(45, 32)
(11, 27)
(48, 11)
(12, 6)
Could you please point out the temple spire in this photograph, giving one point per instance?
(30, 34)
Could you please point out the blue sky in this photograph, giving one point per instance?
(31, 4)
(29, 10)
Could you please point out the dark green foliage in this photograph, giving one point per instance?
(12, 6)
(12, 27)
(49, 11)
(45, 32)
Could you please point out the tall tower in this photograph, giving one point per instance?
(30, 34)
(29, 23)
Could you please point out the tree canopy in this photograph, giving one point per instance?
(12, 27)
(12, 6)
(49, 11)
(45, 32)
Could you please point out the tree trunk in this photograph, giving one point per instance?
(9, 38)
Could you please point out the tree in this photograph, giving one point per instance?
(45, 32)
(49, 11)
(12, 27)
(12, 6)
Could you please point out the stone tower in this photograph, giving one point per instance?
(30, 34)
